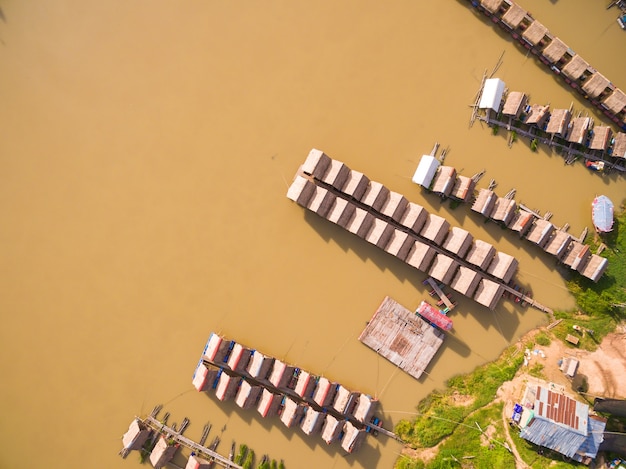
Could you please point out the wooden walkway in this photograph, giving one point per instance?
(440, 293)
(402, 337)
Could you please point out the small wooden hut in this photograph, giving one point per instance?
(619, 145)
(312, 422)
(443, 268)
(420, 256)
(324, 392)
(559, 120)
(458, 241)
(356, 185)
(488, 293)
(425, 171)
(491, 6)
(337, 175)
(579, 130)
(380, 234)
(344, 399)
(414, 217)
(503, 266)
(136, 435)
(444, 180)
(521, 222)
(269, 403)
(575, 68)
(204, 377)
(301, 190)
(463, 188)
(484, 202)
(281, 374)
(217, 349)
(536, 34)
(332, 429)
(353, 438)
(375, 196)
(400, 244)
(480, 254)
(538, 115)
(227, 386)
(576, 256)
(305, 385)
(595, 85)
(595, 267)
(540, 232)
(514, 104)
(503, 210)
(196, 462)
(600, 137)
(239, 358)
(435, 229)
(361, 223)
(395, 207)
(365, 408)
(163, 452)
(514, 16)
(316, 164)
(248, 395)
(555, 51)
(342, 212)
(465, 281)
(322, 201)
(615, 102)
(260, 366)
(558, 243)
(292, 412)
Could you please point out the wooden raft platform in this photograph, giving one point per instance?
(402, 337)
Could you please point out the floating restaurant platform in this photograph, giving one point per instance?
(402, 337)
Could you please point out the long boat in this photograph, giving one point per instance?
(602, 213)
(434, 316)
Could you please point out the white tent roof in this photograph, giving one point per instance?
(425, 171)
(491, 97)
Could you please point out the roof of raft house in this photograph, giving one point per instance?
(595, 85)
(555, 50)
(361, 223)
(420, 256)
(425, 171)
(575, 68)
(480, 254)
(162, 453)
(491, 5)
(559, 119)
(616, 101)
(292, 412)
(196, 462)
(353, 437)
(331, 429)
(558, 243)
(312, 421)
(463, 188)
(503, 210)
(465, 281)
(395, 206)
(414, 217)
(537, 114)
(491, 97)
(365, 408)
(514, 103)
(376, 195)
(595, 267)
(514, 16)
(336, 175)
(443, 268)
(535, 33)
(619, 147)
(316, 163)
(521, 222)
(484, 202)
(458, 241)
(356, 184)
(341, 213)
(435, 229)
(578, 132)
(540, 232)
(576, 256)
(380, 233)
(400, 244)
(444, 180)
(503, 266)
(301, 190)
(322, 201)
(488, 293)
(601, 137)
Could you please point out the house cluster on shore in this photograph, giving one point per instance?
(571, 252)
(403, 229)
(573, 135)
(274, 388)
(558, 56)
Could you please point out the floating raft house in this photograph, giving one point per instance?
(402, 337)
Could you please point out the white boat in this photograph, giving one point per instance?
(602, 213)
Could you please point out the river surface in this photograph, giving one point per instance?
(145, 153)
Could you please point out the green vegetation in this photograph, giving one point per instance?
(543, 339)
(536, 371)
(241, 454)
(495, 129)
(513, 135)
(534, 143)
(247, 464)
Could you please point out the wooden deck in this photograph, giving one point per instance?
(402, 337)
(442, 296)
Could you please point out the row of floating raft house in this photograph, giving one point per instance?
(557, 55)
(571, 252)
(313, 403)
(559, 124)
(403, 229)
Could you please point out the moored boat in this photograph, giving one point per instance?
(602, 214)
(595, 165)
(434, 316)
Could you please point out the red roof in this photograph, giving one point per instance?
(434, 316)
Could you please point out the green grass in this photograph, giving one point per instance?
(543, 339)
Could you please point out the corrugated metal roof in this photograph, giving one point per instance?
(590, 446)
(558, 437)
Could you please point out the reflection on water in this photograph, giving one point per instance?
(146, 153)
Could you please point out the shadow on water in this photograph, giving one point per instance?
(2, 17)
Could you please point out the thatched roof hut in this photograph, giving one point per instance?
(465, 281)
(579, 129)
(163, 452)
(538, 115)
(248, 395)
(595, 267)
(503, 266)
(595, 85)
(616, 101)
(540, 232)
(332, 429)
(575, 68)
(514, 16)
(336, 175)
(576, 256)
(316, 164)
(227, 386)
(136, 435)
(239, 357)
(341, 213)
(292, 412)
(480, 254)
(458, 241)
(503, 210)
(600, 137)
(414, 217)
(535, 33)
(365, 408)
(463, 188)
(420, 256)
(514, 103)
(435, 229)
(443, 268)
(353, 438)
(361, 223)
(260, 366)
(380, 234)
(312, 422)
(322, 201)
(521, 222)
(444, 180)
(395, 206)
(196, 462)
(555, 50)
(485, 200)
(400, 245)
(558, 243)
(204, 377)
(344, 399)
(324, 392)
(375, 196)
(305, 385)
(559, 120)
(269, 403)
(491, 5)
(301, 190)
(488, 293)
(619, 145)
(281, 374)
(356, 185)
